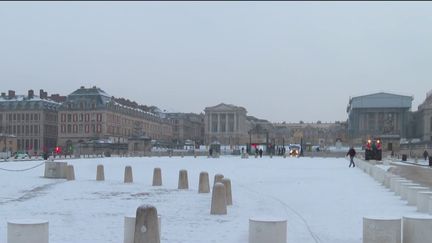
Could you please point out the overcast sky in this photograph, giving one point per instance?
(282, 61)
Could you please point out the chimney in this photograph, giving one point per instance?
(11, 94)
(30, 94)
(43, 94)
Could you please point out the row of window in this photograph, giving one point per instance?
(80, 117)
(21, 130)
(21, 117)
(28, 144)
(71, 129)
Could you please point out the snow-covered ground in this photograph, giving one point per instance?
(322, 199)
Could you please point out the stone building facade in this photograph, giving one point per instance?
(32, 119)
(230, 125)
(381, 115)
(319, 133)
(422, 120)
(187, 127)
(90, 114)
(226, 124)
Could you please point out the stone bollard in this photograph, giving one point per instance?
(218, 204)
(146, 225)
(217, 178)
(227, 184)
(55, 170)
(267, 230)
(412, 194)
(397, 186)
(404, 189)
(381, 230)
(423, 199)
(70, 173)
(416, 229)
(128, 178)
(27, 231)
(129, 228)
(393, 182)
(204, 185)
(183, 180)
(157, 177)
(100, 174)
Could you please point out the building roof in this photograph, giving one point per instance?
(88, 95)
(225, 107)
(427, 103)
(380, 100)
(23, 102)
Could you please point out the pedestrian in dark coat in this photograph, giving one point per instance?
(260, 153)
(425, 154)
(351, 153)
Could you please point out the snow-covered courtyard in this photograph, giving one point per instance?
(322, 199)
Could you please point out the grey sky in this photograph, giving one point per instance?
(282, 61)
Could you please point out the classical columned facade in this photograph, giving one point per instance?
(226, 124)
(381, 115)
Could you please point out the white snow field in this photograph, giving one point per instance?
(322, 199)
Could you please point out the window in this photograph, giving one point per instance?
(81, 117)
(69, 128)
(214, 122)
(27, 117)
(36, 144)
(69, 117)
(75, 117)
(63, 117)
(222, 122)
(87, 117)
(75, 128)
(18, 130)
(14, 117)
(63, 128)
(98, 128)
(230, 122)
(87, 128)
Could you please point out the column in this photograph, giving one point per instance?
(218, 119)
(235, 122)
(209, 121)
(226, 122)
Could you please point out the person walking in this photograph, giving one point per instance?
(351, 153)
(260, 153)
(425, 155)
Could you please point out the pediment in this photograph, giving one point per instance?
(224, 107)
